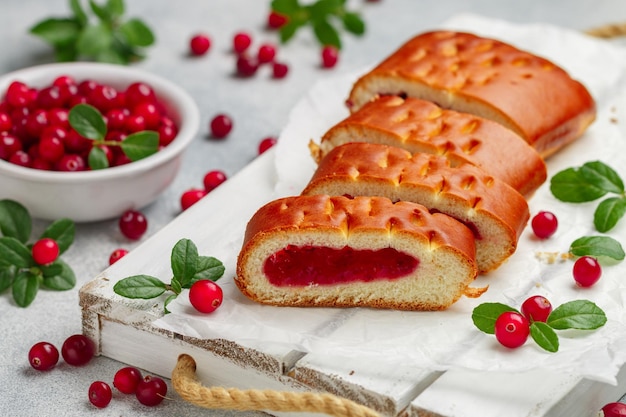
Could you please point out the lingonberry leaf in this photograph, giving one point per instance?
(62, 231)
(115, 8)
(137, 33)
(14, 252)
(326, 34)
(102, 12)
(208, 267)
(87, 121)
(608, 213)
(353, 23)
(79, 13)
(570, 186)
(25, 287)
(184, 261)
(15, 220)
(168, 300)
(577, 314)
(7, 274)
(597, 246)
(97, 159)
(94, 39)
(58, 32)
(175, 286)
(544, 336)
(58, 276)
(140, 145)
(605, 177)
(140, 286)
(485, 315)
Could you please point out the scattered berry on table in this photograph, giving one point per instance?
(133, 224)
(536, 308)
(151, 391)
(199, 44)
(266, 53)
(45, 251)
(247, 66)
(43, 356)
(205, 296)
(100, 394)
(241, 42)
(212, 179)
(116, 255)
(512, 329)
(616, 409)
(544, 224)
(330, 56)
(191, 197)
(586, 271)
(221, 125)
(77, 350)
(266, 143)
(127, 379)
(276, 20)
(279, 70)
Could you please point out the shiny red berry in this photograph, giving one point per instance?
(71, 163)
(246, 66)
(212, 179)
(199, 44)
(151, 391)
(512, 329)
(127, 379)
(266, 143)
(586, 271)
(544, 224)
(241, 42)
(205, 296)
(45, 251)
(266, 53)
(133, 224)
(116, 255)
(191, 197)
(536, 308)
(43, 356)
(276, 20)
(100, 394)
(221, 125)
(279, 70)
(330, 56)
(77, 350)
(616, 409)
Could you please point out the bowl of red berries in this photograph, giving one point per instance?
(89, 141)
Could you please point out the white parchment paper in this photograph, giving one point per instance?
(448, 339)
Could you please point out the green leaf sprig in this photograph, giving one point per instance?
(90, 124)
(325, 17)
(577, 314)
(187, 267)
(589, 182)
(597, 246)
(98, 32)
(18, 270)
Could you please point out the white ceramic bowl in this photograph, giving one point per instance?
(100, 194)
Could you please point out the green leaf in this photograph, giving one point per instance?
(608, 213)
(208, 268)
(326, 34)
(176, 286)
(100, 11)
(597, 246)
(25, 287)
(544, 336)
(59, 276)
(322, 8)
(485, 315)
(97, 159)
(353, 23)
(62, 231)
(137, 33)
(94, 39)
(140, 145)
(115, 8)
(570, 186)
(15, 220)
(577, 314)
(79, 13)
(603, 176)
(88, 122)
(184, 261)
(14, 252)
(139, 286)
(285, 7)
(66, 53)
(288, 30)
(7, 275)
(112, 56)
(168, 300)
(57, 32)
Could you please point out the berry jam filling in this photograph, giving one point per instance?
(316, 265)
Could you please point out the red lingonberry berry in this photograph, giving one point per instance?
(18, 95)
(586, 271)
(77, 350)
(9, 144)
(166, 134)
(221, 125)
(199, 44)
(241, 42)
(151, 391)
(133, 224)
(100, 394)
(21, 158)
(536, 308)
(279, 70)
(116, 119)
(512, 329)
(58, 118)
(212, 179)
(246, 66)
(5, 122)
(71, 163)
(51, 149)
(266, 53)
(276, 20)
(544, 224)
(205, 296)
(126, 379)
(43, 356)
(116, 255)
(139, 92)
(330, 56)
(266, 143)
(45, 251)
(150, 114)
(191, 197)
(616, 409)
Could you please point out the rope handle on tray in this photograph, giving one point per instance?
(190, 389)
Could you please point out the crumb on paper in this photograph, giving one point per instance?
(552, 257)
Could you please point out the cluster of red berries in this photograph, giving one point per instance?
(149, 390)
(77, 350)
(587, 269)
(211, 180)
(35, 131)
(512, 328)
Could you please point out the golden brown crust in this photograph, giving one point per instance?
(528, 94)
(444, 247)
(421, 126)
(495, 211)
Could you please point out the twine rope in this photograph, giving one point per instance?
(190, 389)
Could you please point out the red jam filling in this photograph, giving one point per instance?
(317, 265)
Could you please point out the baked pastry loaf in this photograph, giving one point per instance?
(363, 252)
(421, 126)
(526, 93)
(495, 212)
